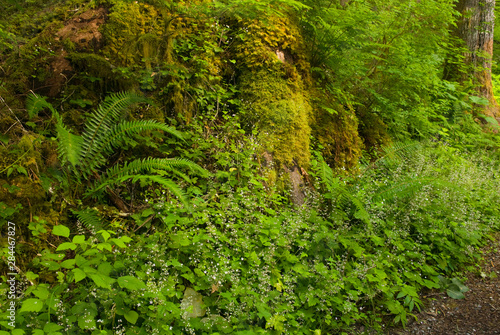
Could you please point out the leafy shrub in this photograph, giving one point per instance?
(245, 261)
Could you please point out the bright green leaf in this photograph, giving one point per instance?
(61, 230)
(31, 305)
(131, 283)
(131, 316)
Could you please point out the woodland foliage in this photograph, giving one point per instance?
(149, 154)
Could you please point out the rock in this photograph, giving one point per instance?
(191, 304)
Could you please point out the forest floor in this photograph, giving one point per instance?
(478, 313)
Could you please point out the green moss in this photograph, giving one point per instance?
(337, 132)
(133, 34)
(281, 112)
(96, 72)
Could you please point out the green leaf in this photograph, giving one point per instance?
(102, 280)
(455, 293)
(79, 239)
(51, 327)
(131, 316)
(21, 170)
(479, 100)
(131, 283)
(79, 274)
(31, 305)
(60, 230)
(68, 264)
(41, 292)
(66, 246)
(105, 234)
(118, 242)
(459, 285)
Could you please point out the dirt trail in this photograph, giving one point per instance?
(478, 313)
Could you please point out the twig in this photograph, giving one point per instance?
(146, 221)
(20, 123)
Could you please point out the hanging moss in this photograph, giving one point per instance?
(133, 34)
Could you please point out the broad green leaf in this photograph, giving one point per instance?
(68, 264)
(66, 246)
(31, 305)
(79, 274)
(79, 239)
(105, 268)
(461, 287)
(105, 245)
(61, 230)
(131, 283)
(118, 242)
(131, 316)
(455, 294)
(51, 327)
(102, 280)
(105, 234)
(41, 292)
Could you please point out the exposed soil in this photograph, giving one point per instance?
(83, 30)
(478, 313)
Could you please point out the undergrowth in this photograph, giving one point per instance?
(245, 261)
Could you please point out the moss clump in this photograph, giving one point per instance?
(133, 34)
(280, 111)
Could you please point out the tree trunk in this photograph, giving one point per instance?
(475, 28)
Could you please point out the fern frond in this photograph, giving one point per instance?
(149, 165)
(169, 184)
(69, 145)
(346, 197)
(410, 187)
(36, 103)
(89, 218)
(393, 154)
(102, 121)
(341, 195)
(112, 139)
(325, 173)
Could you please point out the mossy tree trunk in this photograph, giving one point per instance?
(475, 27)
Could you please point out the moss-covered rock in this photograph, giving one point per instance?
(280, 111)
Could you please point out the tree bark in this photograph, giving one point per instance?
(475, 27)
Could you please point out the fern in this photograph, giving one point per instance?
(325, 173)
(70, 145)
(341, 194)
(36, 103)
(409, 188)
(119, 173)
(89, 218)
(116, 135)
(98, 127)
(104, 131)
(392, 155)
